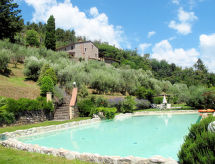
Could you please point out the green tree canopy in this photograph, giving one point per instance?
(32, 38)
(199, 66)
(50, 39)
(10, 19)
(47, 85)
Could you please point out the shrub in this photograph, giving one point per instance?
(128, 105)
(34, 106)
(49, 107)
(4, 60)
(109, 113)
(209, 98)
(32, 68)
(85, 106)
(83, 92)
(51, 73)
(196, 98)
(15, 58)
(25, 104)
(3, 101)
(5, 116)
(47, 71)
(142, 104)
(199, 144)
(58, 94)
(44, 105)
(47, 85)
(16, 108)
(116, 102)
(172, 99)
(157, 100)
(13, 107)
(101, 102)
(143, 93)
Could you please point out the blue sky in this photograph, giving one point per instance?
(179, 31)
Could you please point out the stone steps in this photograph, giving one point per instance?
(62, 113)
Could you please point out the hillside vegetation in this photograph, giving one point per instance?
(16, 86)
(99, 77)
(161, 70)
(96, 75)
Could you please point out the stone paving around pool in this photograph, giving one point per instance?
(9, 140)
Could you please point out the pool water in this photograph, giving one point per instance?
(142, 136)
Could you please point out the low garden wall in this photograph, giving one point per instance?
(142, 113)
(31, 119)
(9, 140)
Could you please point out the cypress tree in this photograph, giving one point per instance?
(10, 20)
(50, 39)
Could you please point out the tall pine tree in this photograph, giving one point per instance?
(10, 19)
(50, 39)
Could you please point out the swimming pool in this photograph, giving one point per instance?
(142, 136)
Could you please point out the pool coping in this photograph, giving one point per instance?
(9, 140)
(148, 113)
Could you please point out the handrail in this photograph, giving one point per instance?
(74, 97)
(73, 102)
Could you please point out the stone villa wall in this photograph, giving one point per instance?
(85, 50)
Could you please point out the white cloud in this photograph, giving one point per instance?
(68, 16)
(164, 51)
(94, 11)
(207, 48)
(151, 33)
(193, 3)
(142, 47)
(184, 24)
(176, 2)
(184, 16)
(190, 3)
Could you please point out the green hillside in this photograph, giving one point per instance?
(16, 86)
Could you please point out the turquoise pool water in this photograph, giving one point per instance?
(143, 136)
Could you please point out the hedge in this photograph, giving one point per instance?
(109, 113)
(157, 100)
(199, 144)
(85, 106)
(12, 109)
(47, 85)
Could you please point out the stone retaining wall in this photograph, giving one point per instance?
(85, 156)
(9, 140)
(45, 129)
(144, 113)
(30, 119)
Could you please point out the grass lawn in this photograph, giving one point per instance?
(15, 86)
(46, 123)
(12, 156)
(183, 106)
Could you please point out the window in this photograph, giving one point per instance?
(65, 49)
(85, 49)
(72, 47)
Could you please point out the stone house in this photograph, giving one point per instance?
(81, 50)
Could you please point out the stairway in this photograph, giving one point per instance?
(62, 112)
